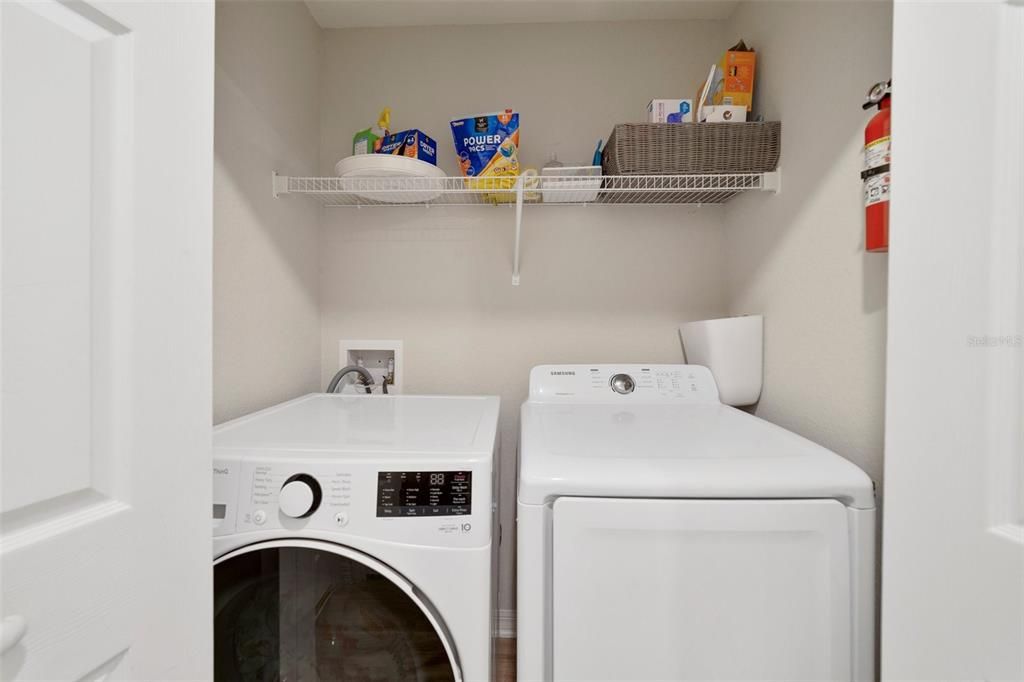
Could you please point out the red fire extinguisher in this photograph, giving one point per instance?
(877, 175)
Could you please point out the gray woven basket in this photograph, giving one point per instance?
(680, 148)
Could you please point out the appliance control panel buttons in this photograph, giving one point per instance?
(300, 496)
(636, 383)
(424, 493)
(622, 384)
(293, 495)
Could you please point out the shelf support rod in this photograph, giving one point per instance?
(519, 230)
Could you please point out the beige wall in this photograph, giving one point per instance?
(799, 258)
(266, 300)
(599, 284)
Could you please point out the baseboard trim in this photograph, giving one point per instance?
(506, 622)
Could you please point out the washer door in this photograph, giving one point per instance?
(294, 610)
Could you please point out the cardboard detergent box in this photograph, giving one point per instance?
(670, 111)
(412, 143)
(737, 66)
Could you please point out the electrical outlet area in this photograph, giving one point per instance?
(382, 359)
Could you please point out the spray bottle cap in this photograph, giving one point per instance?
(384, 120)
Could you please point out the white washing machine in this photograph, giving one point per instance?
(666, 536)
(353, 540)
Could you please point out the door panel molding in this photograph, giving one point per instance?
(106, 113)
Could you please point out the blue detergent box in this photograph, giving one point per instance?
(670, 111)
(412, 143)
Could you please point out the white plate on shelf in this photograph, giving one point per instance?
(391, 179)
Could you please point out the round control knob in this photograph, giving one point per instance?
(622, 384)
(300, 496)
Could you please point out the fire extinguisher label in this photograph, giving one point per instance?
(876, 188)
(877, 178)
(877, 153)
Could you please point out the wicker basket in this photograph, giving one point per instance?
(681, 148)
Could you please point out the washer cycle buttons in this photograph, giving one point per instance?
(300, 496)
(259, 517)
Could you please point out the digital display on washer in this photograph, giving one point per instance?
(424, 493)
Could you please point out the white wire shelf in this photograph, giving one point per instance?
(548, 190)
(568, 190)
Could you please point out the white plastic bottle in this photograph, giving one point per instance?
(553, 162)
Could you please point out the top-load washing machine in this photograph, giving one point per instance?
(353, 540)
(663, 535)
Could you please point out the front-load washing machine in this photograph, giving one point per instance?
(353, 540)
(663, 535)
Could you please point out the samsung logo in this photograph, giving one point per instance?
(563, 373)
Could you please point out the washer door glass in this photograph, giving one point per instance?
(319, 612)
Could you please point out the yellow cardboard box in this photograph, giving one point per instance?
(737, 66)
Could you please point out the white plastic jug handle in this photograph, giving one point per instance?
(531, 181)
(12, 629)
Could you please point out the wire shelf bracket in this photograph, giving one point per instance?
(280, 185)
(567, 190)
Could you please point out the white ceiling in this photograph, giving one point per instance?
(370, 13)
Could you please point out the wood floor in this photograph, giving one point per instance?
(506, 660)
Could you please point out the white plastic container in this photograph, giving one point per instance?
(733, 349)
(570, 184)
(390, 179)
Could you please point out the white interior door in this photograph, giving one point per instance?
(953, 553)
(106, 154)
(701, 590)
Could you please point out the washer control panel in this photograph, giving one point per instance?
(278, 494)
(424, 493)
(616, 383)
(439, 505)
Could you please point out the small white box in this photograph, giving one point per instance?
(724, 113)
(670, 111)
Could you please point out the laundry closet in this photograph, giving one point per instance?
(597, 283)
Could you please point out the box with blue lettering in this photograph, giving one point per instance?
(412, 143)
